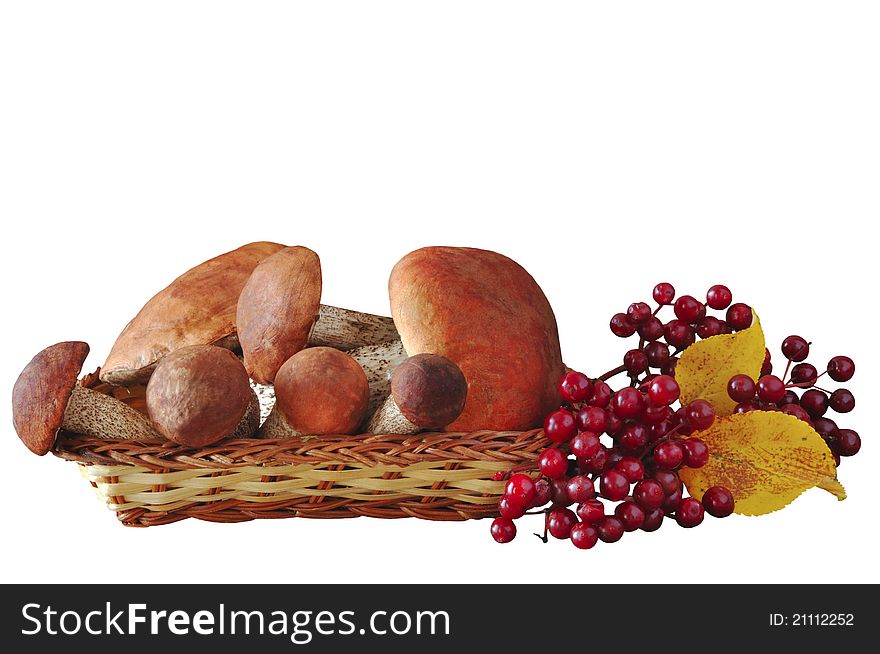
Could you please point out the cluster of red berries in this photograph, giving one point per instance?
(691, 321)
(773, 393)
(636, 471)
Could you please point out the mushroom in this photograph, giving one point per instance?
(200, 394)
(319, 390)
(46, 397)
(428, 391)
(485, 313)
(199, 308)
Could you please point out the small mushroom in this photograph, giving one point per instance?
(201, 394)
(46, 397)
(428, 391)
(319, 390)
(199, 308)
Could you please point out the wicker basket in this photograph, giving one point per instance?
(436, 476)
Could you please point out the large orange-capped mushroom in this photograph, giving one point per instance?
(485, 313)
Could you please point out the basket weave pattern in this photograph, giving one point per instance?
(435, 476)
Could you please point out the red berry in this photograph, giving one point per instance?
(668, 368)
(824, 425)
(575, 387)
(815, 402)
(739, 316)
(597, 463)
(584, 536)
(503, 530)
(741, 388)
(615, 424)
(510, 510)
(841, 368)
(632, 468)
(696, 453)
(601, 394)
(630, 514)
(585, 445)
(848, 442)
(520, 490)
(663, 390)
(711, 326)
(610, 529)
(679, 334)
(718, 502)
(653, 520)
(795, 348)
(688, 309)
(668, 455)
(767, 366)
(719, 297)
(804, 374)
(559, 493)
(700, 414)
(745, 407)
(638, 312)
(627, 403)
(592, 418)
(622, 326)
(770, 388)
(668, 480)
(634, 436)
(580, 489)
(553, 463)
(560, 522)
(664, 293)
(671, 502)
(649, 494)
(689, 513)
(657, 353)
(591, 511)
(613, 485)
(560, 426)
(651, 329)
(543, 493)
(842, 401)
(635, 362)
(654, 414)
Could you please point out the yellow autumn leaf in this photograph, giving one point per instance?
(766, 459)
(706, 366)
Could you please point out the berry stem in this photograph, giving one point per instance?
(612, 373)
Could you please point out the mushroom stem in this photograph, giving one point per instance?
(389, 420)
(276, 427)
(93, 413)
(345, 329)
(378, 362)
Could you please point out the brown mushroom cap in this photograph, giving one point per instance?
(321, 390)
(198, 395)
(277, 309)
(429, 390)
(42, 391)
(197, 308)
(485, 313)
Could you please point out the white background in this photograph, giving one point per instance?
(605, 146)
